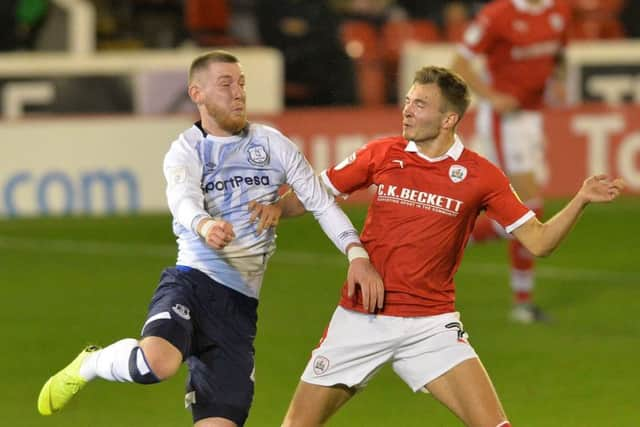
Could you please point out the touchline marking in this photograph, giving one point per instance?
(137, 249)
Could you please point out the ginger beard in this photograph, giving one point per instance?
(230, 120)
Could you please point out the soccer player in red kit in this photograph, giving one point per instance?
(522, 42)
(430, 190)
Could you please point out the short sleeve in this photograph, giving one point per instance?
(501, 202)
(353, 173)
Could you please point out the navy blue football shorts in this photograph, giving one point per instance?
(214, 327)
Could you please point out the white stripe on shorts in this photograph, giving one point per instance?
(158, 316)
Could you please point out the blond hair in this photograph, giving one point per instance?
(203, 61)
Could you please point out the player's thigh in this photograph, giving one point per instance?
(354, 348)
(431, 346)
(221, 363)
(167, 331)
(468, 392)
(313, 405)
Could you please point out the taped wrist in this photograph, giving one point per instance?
(357, 252)
(206, 227)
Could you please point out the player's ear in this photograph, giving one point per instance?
(194, 93)
(450, 120)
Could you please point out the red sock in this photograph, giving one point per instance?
(504, 424)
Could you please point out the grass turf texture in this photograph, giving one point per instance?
(67, 282)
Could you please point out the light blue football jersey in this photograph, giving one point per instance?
(217, 177)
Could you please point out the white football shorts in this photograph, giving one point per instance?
(357, 345)
(515, 142)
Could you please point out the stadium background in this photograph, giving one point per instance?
(84, 232)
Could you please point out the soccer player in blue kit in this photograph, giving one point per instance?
(204, 310)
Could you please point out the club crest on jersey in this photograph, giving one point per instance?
(320, 365)
(258, 155)
(457, 173)
(181, 311)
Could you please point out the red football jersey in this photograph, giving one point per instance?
(421, 217)
(520, 42)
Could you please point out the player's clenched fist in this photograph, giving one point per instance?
(216, 232)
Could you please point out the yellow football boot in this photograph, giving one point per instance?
(61, 387)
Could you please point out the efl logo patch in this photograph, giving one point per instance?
(320, 365)
(457, 173)
(177, 175)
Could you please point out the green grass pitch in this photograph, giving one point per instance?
(72, 281)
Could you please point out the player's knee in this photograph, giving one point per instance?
(160, 356)
(144, 372)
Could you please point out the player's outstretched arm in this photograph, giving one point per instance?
(361, 272)
(290, 205)
(541, 239)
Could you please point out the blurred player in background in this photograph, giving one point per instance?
(430, 190)
(204, 311)
(522, 42)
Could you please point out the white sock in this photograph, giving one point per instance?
(110, 363)
(522, 280)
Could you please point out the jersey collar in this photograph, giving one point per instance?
(223, 139)
(455, 151)
(524, 6)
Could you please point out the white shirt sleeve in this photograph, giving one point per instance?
(315, 198)
(183, 171)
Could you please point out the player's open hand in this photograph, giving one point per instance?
(266, 215)
(601, 188)
(362, 273)
(217, 233)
